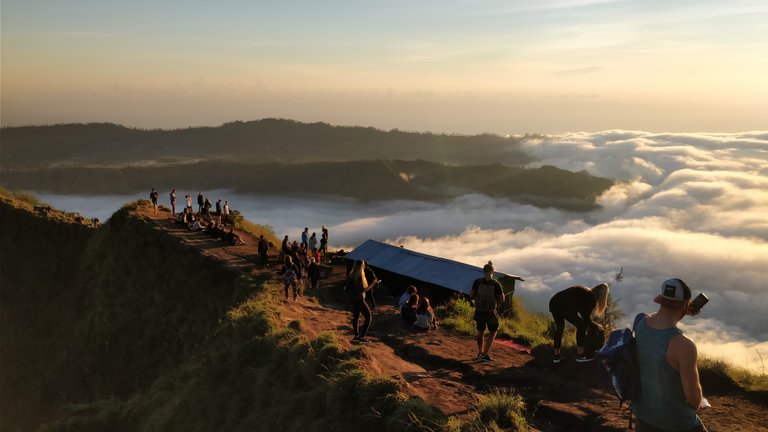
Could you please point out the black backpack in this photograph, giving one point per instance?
(619, 358)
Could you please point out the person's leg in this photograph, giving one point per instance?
(493, 328)
(480, 322)
(559, 328)
(371, 298)
(581, 328)
(286, 291)
(367, 314)
(355, 317)
(295, 289)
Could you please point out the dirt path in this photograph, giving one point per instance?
(440, 367)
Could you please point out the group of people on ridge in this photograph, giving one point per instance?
(213, 223)
(671, 392)
(301, 262)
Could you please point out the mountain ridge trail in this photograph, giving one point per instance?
(440, 366)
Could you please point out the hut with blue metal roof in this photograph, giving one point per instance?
(398, 267)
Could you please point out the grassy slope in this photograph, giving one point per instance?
(151, 336)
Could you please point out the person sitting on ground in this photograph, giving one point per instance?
(409, 310)
(576, 305)
(264, 251)
(197, 226)
(487, 295)
(425, 316)
(232, 238)
(669, 378)
(404, 298)
(191, 218)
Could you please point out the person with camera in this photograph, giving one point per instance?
(670, 391)
(356, 287)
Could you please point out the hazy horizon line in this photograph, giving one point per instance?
(381, 129)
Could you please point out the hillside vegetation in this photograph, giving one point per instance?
(123, 328)
(365, 180)
(261, 140)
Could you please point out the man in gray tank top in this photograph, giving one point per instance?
(670, 392)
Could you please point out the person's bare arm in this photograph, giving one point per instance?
(684, 358)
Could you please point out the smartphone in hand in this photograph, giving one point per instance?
(699, 302)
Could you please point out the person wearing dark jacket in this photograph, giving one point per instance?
(264, 251)
(576, 305)
(313, 272)
(409, 310)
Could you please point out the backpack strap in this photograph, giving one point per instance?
(638, 318)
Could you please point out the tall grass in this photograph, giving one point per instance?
(721, 372)
(525, 327)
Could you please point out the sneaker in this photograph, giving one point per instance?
(584, 359)
(479, 356)
(362, 340)
(486, 357)
(557, 359)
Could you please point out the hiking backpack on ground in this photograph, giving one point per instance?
(619, 358)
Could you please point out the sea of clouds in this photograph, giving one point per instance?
(693, 206)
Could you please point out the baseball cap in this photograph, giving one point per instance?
(673, 291)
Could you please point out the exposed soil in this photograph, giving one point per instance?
(440, 366)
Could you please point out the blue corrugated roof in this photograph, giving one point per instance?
(442, 272)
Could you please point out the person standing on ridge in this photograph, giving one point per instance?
(264, 251)
(173, 202)
(487, 294)
(669, 378)
(305, 237)
(357, 286)
(218, 210)
(153, 197)
(189, 201)
(312, 244)
(575, 305)
(225, 211)
(200, 202)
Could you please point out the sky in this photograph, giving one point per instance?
(457, 66)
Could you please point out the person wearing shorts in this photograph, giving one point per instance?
(487, 295)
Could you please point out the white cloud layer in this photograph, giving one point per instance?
(693, 206)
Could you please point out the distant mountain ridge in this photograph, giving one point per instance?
(373, 180)
(261, 140)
